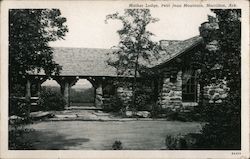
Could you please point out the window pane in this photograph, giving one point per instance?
(189, 90)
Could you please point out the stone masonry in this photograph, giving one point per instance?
(215, 93)
(125, 94)
(171, 91)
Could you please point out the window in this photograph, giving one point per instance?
(189, 88)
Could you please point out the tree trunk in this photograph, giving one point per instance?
(135, 83)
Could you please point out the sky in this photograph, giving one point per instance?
(87, 27)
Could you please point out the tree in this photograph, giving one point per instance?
(30, 31)
(221, 60)
(135, 43)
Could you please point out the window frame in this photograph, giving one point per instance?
(189, 91)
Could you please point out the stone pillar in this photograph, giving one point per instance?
(28, 96)
(177, 98)
(39, 88)
(165, 91)
(62, 88)
(66, 93)
(99, 95)
(171, 91)
(125, 94)
(65, 84)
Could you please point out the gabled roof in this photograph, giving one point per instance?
(172, 51)
(84, 62)
(93, 62)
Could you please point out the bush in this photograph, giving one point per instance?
(19, 107)
(83, 96)
(115, 104)
(175, 142)
(182, 142)
(50, 100)
(143, 100)
(223, 128)
(171, 142)
(169, 114)
(117, 145)
(16, 141)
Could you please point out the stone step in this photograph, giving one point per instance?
(82, 108)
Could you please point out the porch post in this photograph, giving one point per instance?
(28, 92)
(39, 88)
(28, 95)
(99, 95)
(66, 83)
(66, 93)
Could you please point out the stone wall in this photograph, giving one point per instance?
(125, 94)
(216, 92)
(170, 95)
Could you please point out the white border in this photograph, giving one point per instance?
(5, 153)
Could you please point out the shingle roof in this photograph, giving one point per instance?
(174, 50)
(83, 61)
(93, 62)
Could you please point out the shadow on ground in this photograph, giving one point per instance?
(50, 141)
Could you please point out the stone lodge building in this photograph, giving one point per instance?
(174, 82)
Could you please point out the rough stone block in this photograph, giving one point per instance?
(144, 114)
(165, 90)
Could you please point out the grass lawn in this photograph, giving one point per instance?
(95, 135)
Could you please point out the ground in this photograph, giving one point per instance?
(100, 130)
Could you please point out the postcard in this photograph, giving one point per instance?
(125, 79)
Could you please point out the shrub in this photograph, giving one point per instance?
(19, 107)
(178, 142)
(169, 114)
(156, 111)
(82, 96)
(115, 104)
(171, 142)
(223, 128)
(16, 141)
(143, 101)
(50, 100)
(117, 145)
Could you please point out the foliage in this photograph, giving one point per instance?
(135, 43)
(183, 142)
(16, 135)
(175, 142)
(117, 145)
(222, 60)
(144, 99)
(82, 95)
(30, 31)
(222, 130)
(171, 142)
(50, 100)
(51, 88)
(156, 111)
(177, 115)
(19, 107)
(16, 141)
(115, 104)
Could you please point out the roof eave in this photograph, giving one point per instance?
(163, 64)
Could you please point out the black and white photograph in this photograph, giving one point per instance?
(137, 75)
